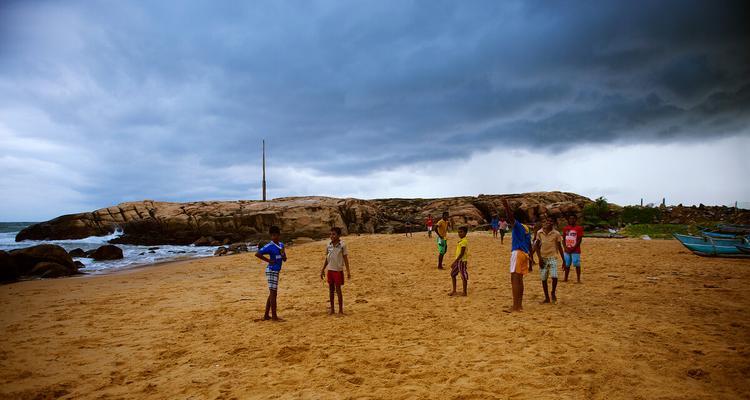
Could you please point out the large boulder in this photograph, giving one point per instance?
(78, 253)
(45, 260)
(46, 269)
(26, 258)
(204, 241)
(107, 252)
(212, 222)
(8, 269)
(238, 248)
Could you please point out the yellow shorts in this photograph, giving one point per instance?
(519, 262)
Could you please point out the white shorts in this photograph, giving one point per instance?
(429, 229)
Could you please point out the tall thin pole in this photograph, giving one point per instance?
(264, 170)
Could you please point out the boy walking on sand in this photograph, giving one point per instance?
(459, 265)
(573, 234)
(520, 261)
(442, 238)
(336, 258)
(550, 244)
(274, 254)
(494, 224)
(429, 226)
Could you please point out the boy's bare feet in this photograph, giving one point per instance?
(331, 312)
(277, 319)
(464, 294)
(452, 294)
(266, 318)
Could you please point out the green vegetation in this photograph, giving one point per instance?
(640, 215)
(655, 231)
(598, 215)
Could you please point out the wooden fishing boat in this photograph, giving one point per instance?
(719, 235)
(712, 247)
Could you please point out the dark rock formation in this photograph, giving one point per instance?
(107, 252)
(47, 269)
(45, 260)
(8, 268)
(151, 223)
(702, 214)
(77, 253)
(238, 248)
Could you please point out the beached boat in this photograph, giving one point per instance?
(708, 246)
(733, 228)
(719, 235)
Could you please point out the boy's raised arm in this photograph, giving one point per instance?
(508, 213)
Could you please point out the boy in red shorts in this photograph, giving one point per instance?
(336, 258)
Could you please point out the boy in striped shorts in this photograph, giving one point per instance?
(274, 254)
(462, 257)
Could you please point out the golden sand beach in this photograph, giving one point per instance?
(650, 321)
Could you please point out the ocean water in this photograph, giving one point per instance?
(133, 255)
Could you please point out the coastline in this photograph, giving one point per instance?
(650, 320)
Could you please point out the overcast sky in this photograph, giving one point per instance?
(104, 102)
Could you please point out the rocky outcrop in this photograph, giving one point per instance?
(44, 260)
(107, 252)
(150, 222)
(77, 252)
(701, 214)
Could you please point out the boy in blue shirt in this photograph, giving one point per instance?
(274, 254)
(521, 255)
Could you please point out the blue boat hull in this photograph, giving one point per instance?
(718, 235)
(707, 246)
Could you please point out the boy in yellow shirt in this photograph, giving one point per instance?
(442, 238)
(462, 256)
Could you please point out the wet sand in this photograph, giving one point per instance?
(650, 321)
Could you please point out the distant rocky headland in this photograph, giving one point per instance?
(222, 222)
(219, 222)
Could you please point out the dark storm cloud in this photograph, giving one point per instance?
(349, 87)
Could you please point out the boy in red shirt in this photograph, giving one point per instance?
(573, 236)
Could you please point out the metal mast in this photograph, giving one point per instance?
(264, 170)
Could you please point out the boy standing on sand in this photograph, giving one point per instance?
(494, 224)
(442, 238)
(503, 227)
(276, 255)
(336, 258)
(520, 262)
(462, 257)
(550, 244)
(429, 226)
(573, 234)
